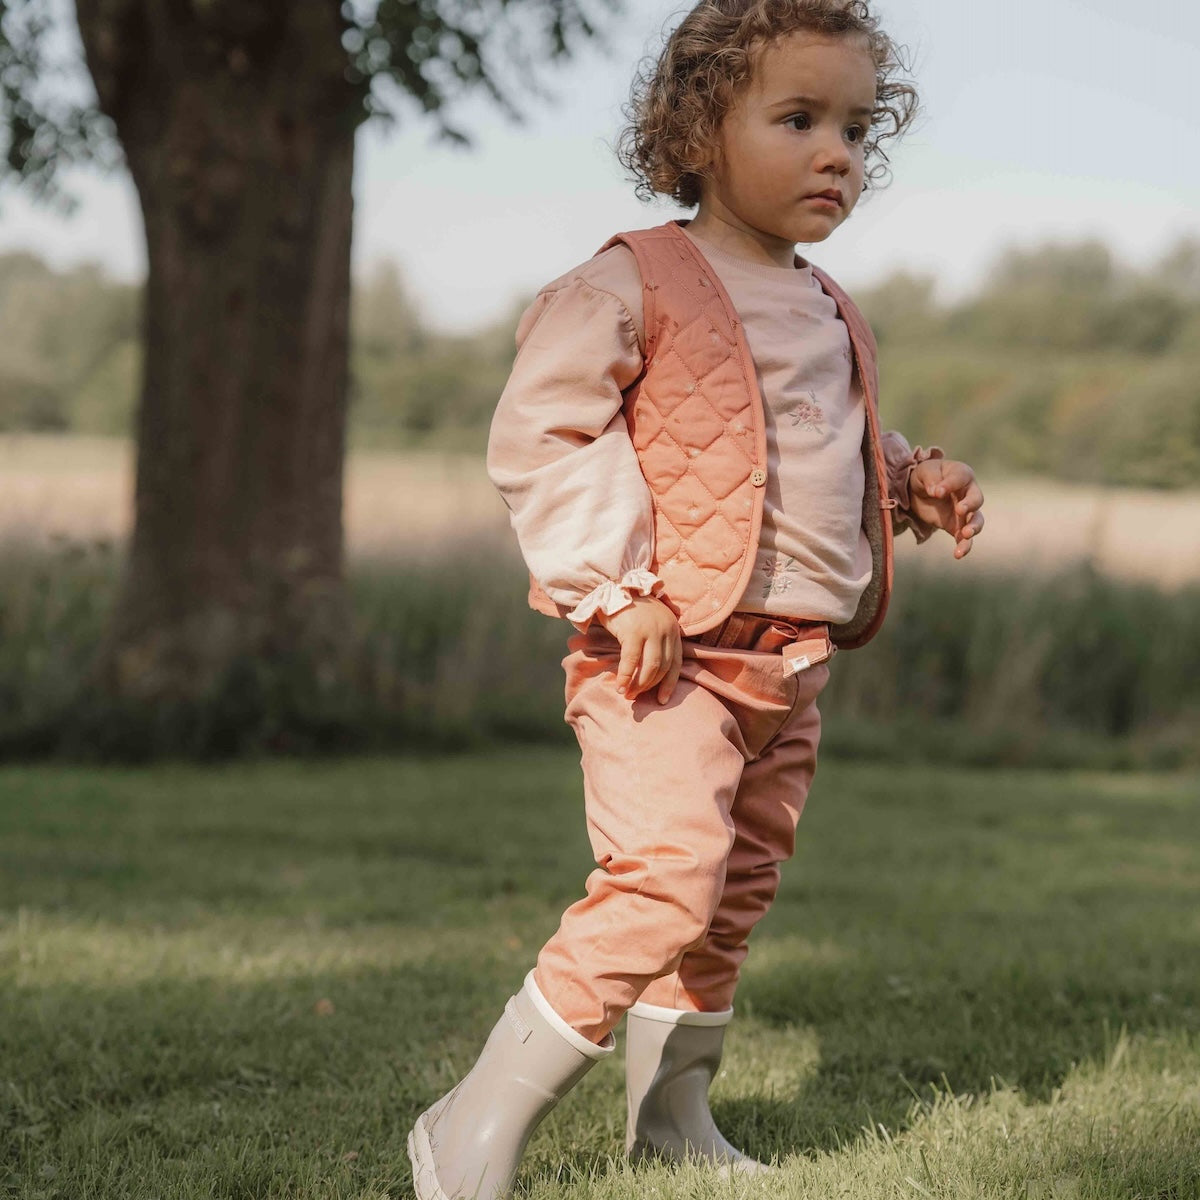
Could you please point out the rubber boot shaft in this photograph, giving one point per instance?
(669, 1066)
(468, 1144)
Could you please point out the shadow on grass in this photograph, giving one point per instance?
(915, 941)
(173, 1062)
(884, 1039)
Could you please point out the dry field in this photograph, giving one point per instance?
(400, 504)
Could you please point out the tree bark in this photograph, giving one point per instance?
(238, 127)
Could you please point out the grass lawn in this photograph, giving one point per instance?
(247, 981)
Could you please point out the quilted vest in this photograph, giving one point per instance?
(696, 419)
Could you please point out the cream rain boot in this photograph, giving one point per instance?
(468, 1144)
(671, 1057)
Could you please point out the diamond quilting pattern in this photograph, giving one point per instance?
(668, 398)
(664, 463)
(695, 345)
(667, 543)
(716, 542)
(694, 422)
(699, 511)
(644, 424)
(692, 582)
(725, 470)
(725, 390)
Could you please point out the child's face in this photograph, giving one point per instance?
(777, 152)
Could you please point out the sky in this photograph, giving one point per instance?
(1042, 120)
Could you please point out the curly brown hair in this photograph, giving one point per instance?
(680, 99)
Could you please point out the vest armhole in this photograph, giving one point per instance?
(649, 307)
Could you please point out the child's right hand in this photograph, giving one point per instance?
(650, 640)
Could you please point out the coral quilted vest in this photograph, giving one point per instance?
(696, 419)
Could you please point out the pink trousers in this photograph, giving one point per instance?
(690, 807)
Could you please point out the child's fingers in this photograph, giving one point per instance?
(644, 662)
(957, 478)
(966, 535)
(631, 653)
(969, 502)
(675, 665)
(932, 476)
(652, 663)
(969, 524)
(633, 671)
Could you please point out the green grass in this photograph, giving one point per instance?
(247, 981)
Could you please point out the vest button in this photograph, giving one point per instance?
(758, 477)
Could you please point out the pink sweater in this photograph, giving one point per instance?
(560, 455)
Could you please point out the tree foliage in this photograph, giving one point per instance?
(46, 127)
(400, 55)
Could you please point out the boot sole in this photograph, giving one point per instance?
(420, 1154)
(738, 1168)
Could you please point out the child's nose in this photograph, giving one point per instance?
(836, 153)
(833, 152)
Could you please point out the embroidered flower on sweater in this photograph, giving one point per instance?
(809, 414)
(775, 570)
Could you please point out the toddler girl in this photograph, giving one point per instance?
(690, 450)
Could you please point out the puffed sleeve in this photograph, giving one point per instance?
(560, 455)
(901, 458)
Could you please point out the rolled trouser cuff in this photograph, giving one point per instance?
(568, 1033)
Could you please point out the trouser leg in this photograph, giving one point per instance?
(770, 798)
(659, 783)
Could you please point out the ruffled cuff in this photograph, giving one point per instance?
(902, 518)
(611, 596)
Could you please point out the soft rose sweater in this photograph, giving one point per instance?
(560, 455)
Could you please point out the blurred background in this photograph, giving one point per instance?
(287, 801)
(1032, 272)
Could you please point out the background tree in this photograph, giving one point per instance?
(237, 122)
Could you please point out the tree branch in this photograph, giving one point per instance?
(436, 50)
(44, 133)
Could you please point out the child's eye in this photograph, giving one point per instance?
(856, 133)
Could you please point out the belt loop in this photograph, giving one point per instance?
(712, 637)
(730, 630)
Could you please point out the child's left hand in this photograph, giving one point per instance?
(943, 492)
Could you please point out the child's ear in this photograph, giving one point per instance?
(714, 151)
(710, 164)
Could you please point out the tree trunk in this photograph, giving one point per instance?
(238, 127)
